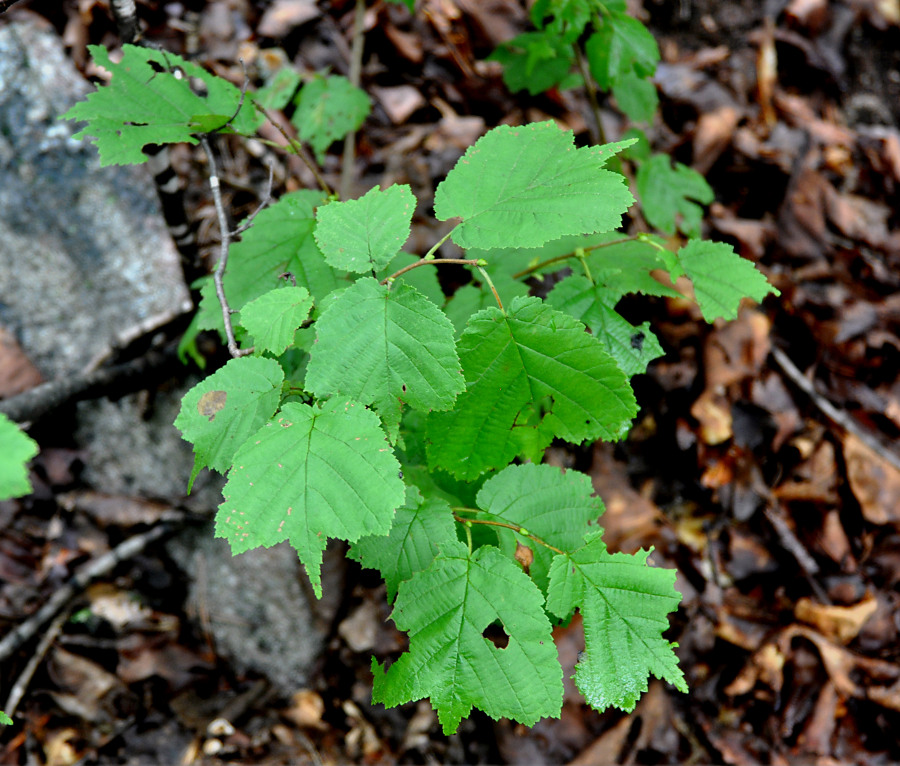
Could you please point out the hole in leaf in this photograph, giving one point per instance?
(496, 635)
(403, 388)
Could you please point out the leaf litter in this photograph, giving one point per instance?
(782, 524)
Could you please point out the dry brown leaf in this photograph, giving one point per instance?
(17, 373)
(713, 412)
(713, 136)
(836, 623)
(399, 102)
(306, 710)
(874, 481)
(283, 15)
(360, 629)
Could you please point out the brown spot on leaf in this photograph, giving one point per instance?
(211, 403)
(525, 556)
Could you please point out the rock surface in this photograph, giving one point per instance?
(84, 253)
(85, 257)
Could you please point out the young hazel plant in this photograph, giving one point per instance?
(376, 410)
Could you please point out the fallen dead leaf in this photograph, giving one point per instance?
(306, 710)
(17, 373)
(836, 623)
(874, 481)
(399, 102)
(284, 15)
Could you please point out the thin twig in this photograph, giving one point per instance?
(573, 254)
(428, 262)
(298, 149)
(832, 412)
(267, 198)
(591, 89)
(21, 683)
(89, 572)
(225, 244)
(121, 378)
(356, 55)
(487, 278)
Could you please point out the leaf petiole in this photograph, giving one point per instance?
(514, 527)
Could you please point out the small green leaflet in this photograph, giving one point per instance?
(534, 61)
(219, 413)
(273, 318)
(420, 527)
(555, 506)
(142, 105)
(381, 347)
(513, 362)
(721, 278)
(632, 347)
(16, 450)
(5, 719)
(509, 174)
(446, 609)
(308, 474)
(328, 108)
(622, 45)
(279, 88)
(363, 235)
(636, 97)
(568, 18)
(666, 193)
(280, 240)
(624, 603)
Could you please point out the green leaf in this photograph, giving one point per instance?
(532, 363)
(472, 298)
(280, 241)
(666, 193)
(274, 317)
(636, 97)
(632, 347)
(308, 474)
(279, 89)
(534, 61)
(411, 4)
(446, 609)
(142, 105)
(624, 604)
(639, 152)
(626, 267)
(622, 45)
(222, 411)
(420, 526)
(555, 506)
(524, 186)
(363, 235)
(16, 450)
(382, 347)
(721, 278)
(328, 108)
(424, 278)
(5, 720)
(568, 18)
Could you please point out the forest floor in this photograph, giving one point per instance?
(763, 464)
